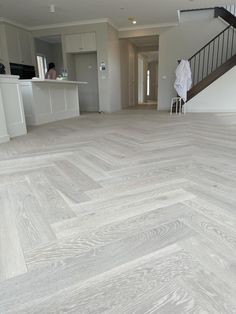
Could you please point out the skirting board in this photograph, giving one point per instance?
(4, 139)
(17, 129)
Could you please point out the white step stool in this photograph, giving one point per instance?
(178, 102)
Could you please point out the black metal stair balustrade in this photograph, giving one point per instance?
(214, 54)
(231, 8)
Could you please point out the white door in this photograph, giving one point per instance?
(131, 79)
(87, 70)
(140, 80)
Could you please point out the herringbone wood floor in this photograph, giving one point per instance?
(132, 212)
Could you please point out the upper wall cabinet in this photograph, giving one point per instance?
(80, 43)
(26, 43)
(19, 45)
(13, 45)
(1, 43)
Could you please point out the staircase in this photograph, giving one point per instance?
(218, 56)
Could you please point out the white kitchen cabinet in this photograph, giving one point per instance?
(89, 41)
(13, 45)
(19, 45)
(74, 43)
(25, 40)
(84, 42)
(2, 44)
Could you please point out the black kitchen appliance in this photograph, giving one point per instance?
(26, 72)
(2, 69)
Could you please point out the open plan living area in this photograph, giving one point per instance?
(117, 157)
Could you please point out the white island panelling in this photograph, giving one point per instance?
(48, 100)
(13, 105)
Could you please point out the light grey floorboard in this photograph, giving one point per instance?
(12, 262)
(32, 226)
(66, 186)
(105, 215)
(131, 212)
(83, 241)
(53, 206)
(137, 287)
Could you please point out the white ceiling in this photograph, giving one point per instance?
(145, 41)
(53, 39)
(150, 56)
(149, 12)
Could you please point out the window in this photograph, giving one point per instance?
(148, 82)
(42, 66)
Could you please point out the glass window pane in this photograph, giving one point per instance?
(41, 60)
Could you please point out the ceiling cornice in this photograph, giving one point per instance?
(86, 22)
(109, 21)
(58, 25)
(6, 20)
(75, 23)
(140, 27)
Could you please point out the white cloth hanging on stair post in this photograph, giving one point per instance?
(183, 82)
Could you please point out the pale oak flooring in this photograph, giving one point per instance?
(133, 212)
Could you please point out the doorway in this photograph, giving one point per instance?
(139, 72)
(87, 71)
(148, 78)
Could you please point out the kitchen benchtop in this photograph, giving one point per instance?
(52, 81)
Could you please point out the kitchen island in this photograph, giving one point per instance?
(50, 100)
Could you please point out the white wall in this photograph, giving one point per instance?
(153, 67)
(114, 71)
(180, 42)
(57, 57)
(220, 96)
(128, 52)
(44, 48)
(124, 58)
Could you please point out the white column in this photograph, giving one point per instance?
(4, 137)
(13, 105)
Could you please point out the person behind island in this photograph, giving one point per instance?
(51, 73)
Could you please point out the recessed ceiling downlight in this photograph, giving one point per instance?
(132, 20)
